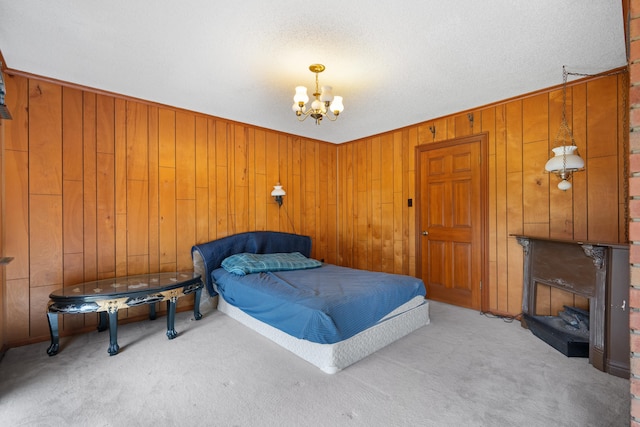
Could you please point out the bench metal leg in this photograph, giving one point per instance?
(53, 330)
(171, 318)
(196, 305)
(113, 333)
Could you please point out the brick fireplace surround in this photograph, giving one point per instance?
(634, 206)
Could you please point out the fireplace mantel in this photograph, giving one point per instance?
(595, 270)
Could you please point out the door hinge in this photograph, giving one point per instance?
(480, 284)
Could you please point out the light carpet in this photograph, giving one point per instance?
(464, 369)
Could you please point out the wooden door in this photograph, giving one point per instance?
(452, 220)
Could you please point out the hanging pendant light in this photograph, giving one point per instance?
(324, 104)
(566, 159)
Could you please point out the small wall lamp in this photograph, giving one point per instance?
(278, 193)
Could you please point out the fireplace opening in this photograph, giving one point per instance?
(568, 332)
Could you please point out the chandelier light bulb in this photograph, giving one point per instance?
(297, 109)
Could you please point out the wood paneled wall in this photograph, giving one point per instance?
(377, 228)
(98, 186)
(2, 267)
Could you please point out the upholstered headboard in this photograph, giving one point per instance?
(208, 256)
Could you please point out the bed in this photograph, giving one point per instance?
(328, 315)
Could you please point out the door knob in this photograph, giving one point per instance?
(425, 233)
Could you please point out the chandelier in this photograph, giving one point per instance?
(324, 104)
(566, 160)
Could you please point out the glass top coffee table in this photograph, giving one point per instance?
(107, 296)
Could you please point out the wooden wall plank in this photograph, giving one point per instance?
(222, 181)
(137, 218)
(262, 187)
(186, 229)
(153, 189)
(120, 185)
(603, 225)
(185, 154)
(535, 110)
(272, 177)
(166, 138)
(577, 97)
(309, 159)
(502, 234)
(106, 215)
(535, 186)
(137, 142)
(603, 122)
(16, 219)
(201, 160)
(322, 197)
(105, 124)
(167, 212)
(72, 134)
(89, 163)
(72, 225)
(45, 138)
(45, 240)
(294, 212)
(202, 180)
(240, 178)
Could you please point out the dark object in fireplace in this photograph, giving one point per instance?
(568, 332)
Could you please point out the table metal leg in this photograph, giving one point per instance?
(196, 305)
(171, 319)
(53, 330)
(152, 311)
(113, 333)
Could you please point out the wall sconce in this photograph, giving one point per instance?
(278, 193)
(4, 111)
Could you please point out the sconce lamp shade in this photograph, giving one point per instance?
(4, 111)
(277, 193)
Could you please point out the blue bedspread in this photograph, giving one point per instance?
(323, 305)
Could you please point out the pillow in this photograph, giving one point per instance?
(247, 263)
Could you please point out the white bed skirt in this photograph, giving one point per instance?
(332, 358)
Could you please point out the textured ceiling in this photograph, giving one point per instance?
(396, 63)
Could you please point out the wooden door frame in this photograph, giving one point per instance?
(483, 138)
